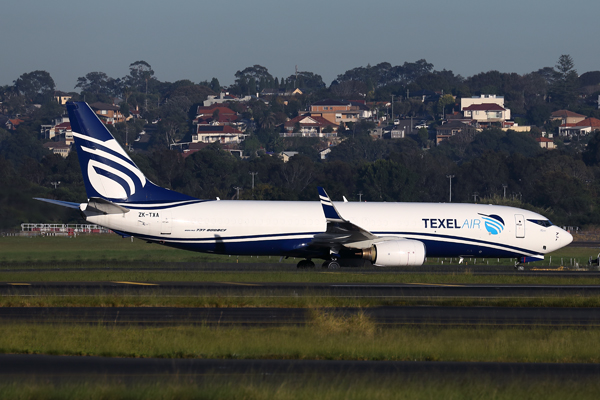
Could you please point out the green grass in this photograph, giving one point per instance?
(284, 387)
(288, 300)
(104, 249)
(291, 275)
(326, 338)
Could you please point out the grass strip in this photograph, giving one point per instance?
(113, 248)
(344, 276)
(309, 387)
(327, 337)
(290, 301)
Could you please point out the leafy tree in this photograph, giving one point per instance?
(304, 80)
(591, 78)
(99, 83)
(37, 86)
(140, 73)
(253, 79)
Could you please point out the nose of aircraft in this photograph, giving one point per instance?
(564, 238)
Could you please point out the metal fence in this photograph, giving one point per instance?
(29, 229)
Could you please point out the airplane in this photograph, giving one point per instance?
(121, 198)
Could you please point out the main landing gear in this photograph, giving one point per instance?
(328, 264)
(303, 264)
(331, 264)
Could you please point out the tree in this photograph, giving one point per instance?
(443, 102)
(98, 83)
(36, 86)
(304, 80)
(564, 88)
(253, 79)
(214, 85)
(140, 72)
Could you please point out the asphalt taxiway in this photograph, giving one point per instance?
(72, 368)
(285, 289)
(273, 316)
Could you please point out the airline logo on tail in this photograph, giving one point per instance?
(110, 171)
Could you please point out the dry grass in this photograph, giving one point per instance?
(335, 323)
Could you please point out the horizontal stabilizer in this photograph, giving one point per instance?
(102, 206)
(59, 202)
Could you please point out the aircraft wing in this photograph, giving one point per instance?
(340, 232)
(59, 202)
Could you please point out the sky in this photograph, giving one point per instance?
(199, 39)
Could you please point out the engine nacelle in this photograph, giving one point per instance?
(396, 253)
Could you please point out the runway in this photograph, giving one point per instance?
(269, 266)
(284, 289)
(72, 367)
(272, 316)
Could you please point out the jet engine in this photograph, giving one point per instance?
(396, 253)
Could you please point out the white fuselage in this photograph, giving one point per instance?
(287, 228)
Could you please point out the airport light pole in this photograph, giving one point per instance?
(360, 197)
(253, 175)
(55, 184)
(450, 177)
(504, 187)
(237, 188)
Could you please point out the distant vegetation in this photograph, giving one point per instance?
(493, 166)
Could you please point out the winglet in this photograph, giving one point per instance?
(331, 214)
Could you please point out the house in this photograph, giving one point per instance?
(224, 97)
(215, 115)
(309, 126)
(336, 111)
(12, 123)
(452, 128)
(108, 113)
(566, 117)
(286, 155)
(545, 143)
(483, 99)
(61, 148)
(486, 113)
(485, 109)
(324, 153)
(581, 128)
(62, 97)
(60, 127)
(218, 133)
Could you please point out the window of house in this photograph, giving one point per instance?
(103, 112)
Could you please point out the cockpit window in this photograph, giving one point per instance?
(543, 222)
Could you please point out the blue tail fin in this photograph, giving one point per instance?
(107, 170)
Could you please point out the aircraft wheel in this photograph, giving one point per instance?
(331, 264)
(303, 264)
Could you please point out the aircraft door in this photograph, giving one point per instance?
(165, 223)
(520, 225)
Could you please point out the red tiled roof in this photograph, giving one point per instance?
(64, 125)
(593, 122)
(543, 139)
(565, 114)
(211, 109)
(484, 107)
